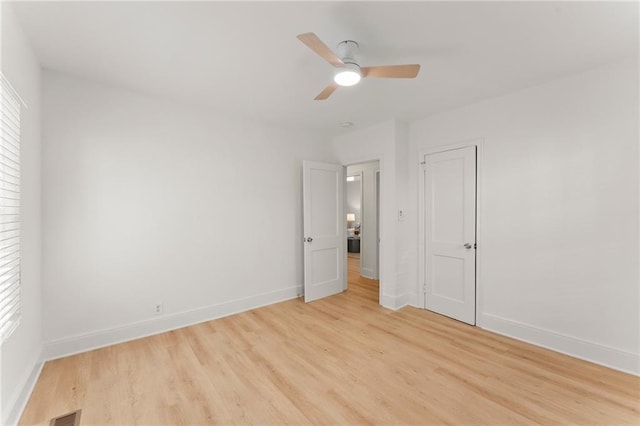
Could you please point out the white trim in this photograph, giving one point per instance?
(479, 144)
(414, 300)
(568, 345)
(377, 177)
(345, 240)
(403, 300)
(420, 290)
(85, 342)
(395, 302)
(387, 301)
(16, 408)
(368, 273)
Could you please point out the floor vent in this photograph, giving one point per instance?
(71, 419)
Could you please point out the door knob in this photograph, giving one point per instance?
(467, 246)
(309, 239)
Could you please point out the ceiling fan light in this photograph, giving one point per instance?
(348, 76)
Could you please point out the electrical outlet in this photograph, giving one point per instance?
(159, 308)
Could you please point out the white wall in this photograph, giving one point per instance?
(147, 201)
(369, 234)
(401, 192)
(558, 258)
(20, 354)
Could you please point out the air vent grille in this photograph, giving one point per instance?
(71, 419)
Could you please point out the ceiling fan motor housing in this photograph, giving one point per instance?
(347, 50)
(350, 73)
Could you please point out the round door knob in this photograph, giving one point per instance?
(309, 239)
(467, 246)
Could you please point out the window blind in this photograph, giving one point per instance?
(10, 106)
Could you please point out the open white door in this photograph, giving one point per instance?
(324, 229)
(450, 233)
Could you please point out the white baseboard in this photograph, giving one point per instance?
(15, 408)
(369, 273)
(85, 342)
(414, 300)
(588, 351)
(395, 302)
(403, 300)
(387, 301)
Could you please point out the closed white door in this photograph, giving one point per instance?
(324, 230)
(450, 233)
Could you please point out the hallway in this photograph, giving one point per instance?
(363, 287)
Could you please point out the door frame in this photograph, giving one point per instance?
(478, 143)
(353, 162)
(376, 181)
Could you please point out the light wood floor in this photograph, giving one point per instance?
(341, 360)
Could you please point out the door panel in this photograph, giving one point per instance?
(324, 230)
(450, 229)
(447, 185)
(449, 271)
(324, 201)
(325, 265)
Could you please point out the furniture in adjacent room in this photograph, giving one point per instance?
(353, 244)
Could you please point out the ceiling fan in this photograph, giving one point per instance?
(348, 71)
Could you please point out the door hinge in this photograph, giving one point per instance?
(424, 288)
(475, 246)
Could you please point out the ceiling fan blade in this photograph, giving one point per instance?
(326, 92)
(391, 71)
(314, 43)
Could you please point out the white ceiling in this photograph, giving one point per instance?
(244, 58)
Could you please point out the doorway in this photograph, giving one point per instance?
(362, 215)
(354, 221)
(326, 233)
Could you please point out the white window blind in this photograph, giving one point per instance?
(10, 106)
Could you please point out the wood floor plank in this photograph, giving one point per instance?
(339, 360)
